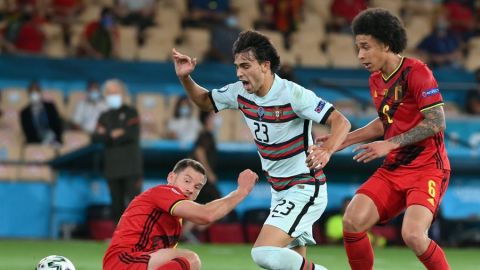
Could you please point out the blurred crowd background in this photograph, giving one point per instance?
(56, 54)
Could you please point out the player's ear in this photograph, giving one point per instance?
(265, 66)
(386, 48)
(171, 178)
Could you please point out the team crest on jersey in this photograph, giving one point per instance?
(277, 112)
(261, 112)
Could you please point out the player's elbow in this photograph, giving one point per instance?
(204, 219)
(346, 124)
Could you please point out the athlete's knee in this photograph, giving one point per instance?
(353, 223)
(414, 238)
(267, 257)
(193, 260)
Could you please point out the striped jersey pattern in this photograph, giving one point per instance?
(281, 125)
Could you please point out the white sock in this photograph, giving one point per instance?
(275, 258)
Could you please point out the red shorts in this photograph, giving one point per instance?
(393, 191)
(125, 260)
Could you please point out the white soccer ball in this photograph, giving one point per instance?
(55, 262)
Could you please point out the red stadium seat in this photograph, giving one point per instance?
(226, 233)
(253, 222)
(227, 230)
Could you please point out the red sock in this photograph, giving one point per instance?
(179, 263)
(359, 250)
(434, 258)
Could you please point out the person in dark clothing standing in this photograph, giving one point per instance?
(40, 120)
(205, 151)
(119, 130)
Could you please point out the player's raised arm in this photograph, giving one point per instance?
(184, 66)
(212, 211)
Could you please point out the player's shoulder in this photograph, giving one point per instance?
(167, 190)
(293, 90)
(231, 88)
(416, 65)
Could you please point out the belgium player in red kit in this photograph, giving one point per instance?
(148, 231)
(416, 170)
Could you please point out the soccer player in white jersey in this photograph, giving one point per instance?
(279, 114)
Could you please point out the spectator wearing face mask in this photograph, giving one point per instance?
(222, 39)
(100, 38)
(118, 129)
(442, 48)
(183, 126)
(40, 120)
(88, 110)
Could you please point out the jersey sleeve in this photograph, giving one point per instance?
(307, 105)
(425, 88)
(168, 198)
(225, 97)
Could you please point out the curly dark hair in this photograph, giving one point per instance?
(383, 26)
(259, 45)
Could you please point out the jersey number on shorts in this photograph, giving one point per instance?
(261, 130)
(431, 192)
(286, 209)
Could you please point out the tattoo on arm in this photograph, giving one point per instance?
(433, 123)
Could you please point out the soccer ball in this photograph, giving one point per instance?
(55, 262)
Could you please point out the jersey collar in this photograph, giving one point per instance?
(387, 78)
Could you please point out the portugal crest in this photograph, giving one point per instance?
(278, 113)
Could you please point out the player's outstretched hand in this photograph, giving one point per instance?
(246, 180)
(184, 64)
(318, 157)
(373, 150)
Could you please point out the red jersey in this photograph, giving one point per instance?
(400, 100)
(148, 224)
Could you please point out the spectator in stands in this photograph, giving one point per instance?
(206, 13)
(205, 152)
(222, 39)
(442, 48)
(119, 130)
(100, 38)
(282, 15)
(41, 122)
(473, 97)
(148, 232)
(343, 12)
(140, 13)
(460, 16)
(22, 33)
(183, 126)
(87, 111)
(64, 13)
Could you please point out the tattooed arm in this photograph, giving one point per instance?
(433, 122)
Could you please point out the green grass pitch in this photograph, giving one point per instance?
(87, 255)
